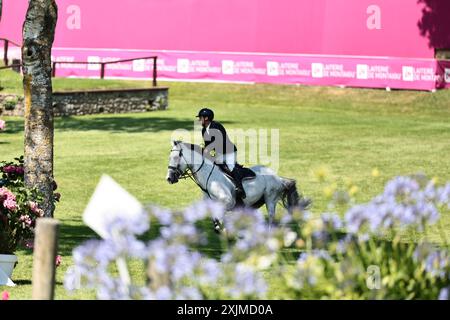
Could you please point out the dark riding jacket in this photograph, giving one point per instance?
(217, 139)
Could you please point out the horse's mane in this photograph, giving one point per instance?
(193, 147)
(198, 149)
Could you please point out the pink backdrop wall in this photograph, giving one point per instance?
(369, 43)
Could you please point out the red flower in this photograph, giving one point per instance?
(5, 295)
(58, 260)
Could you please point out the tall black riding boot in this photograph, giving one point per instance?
(240, 192)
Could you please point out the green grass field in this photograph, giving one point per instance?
(349, 131)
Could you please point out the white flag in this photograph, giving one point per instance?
(110, 201)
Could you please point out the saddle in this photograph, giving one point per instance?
(245, 173)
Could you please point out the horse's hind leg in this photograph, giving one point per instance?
(271, 205)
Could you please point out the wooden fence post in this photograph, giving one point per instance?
(44, 258)
(102, 70)
(155, 72)
(53, 69)
(5, 51)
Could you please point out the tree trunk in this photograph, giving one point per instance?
(38, 35)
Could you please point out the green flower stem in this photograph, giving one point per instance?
(443, 235)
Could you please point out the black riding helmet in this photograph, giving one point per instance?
(205, 112)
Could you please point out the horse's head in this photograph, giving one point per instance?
(177, 164)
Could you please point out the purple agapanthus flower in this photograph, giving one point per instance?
(247, 283)
(332, 221)
(164, 216)
(402, 204)
(444, 294)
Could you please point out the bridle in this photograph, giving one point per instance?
(180, 174)
(188, 173)
(185, 174)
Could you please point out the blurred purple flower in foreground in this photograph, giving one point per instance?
(404, 203)
(177, 266)
(178, 271)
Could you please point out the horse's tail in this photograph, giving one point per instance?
(291, 198)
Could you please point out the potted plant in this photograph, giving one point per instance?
(19, 209)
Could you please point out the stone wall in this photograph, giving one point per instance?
(95, 101)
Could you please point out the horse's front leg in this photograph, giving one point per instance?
(220, 194)
(216, 222)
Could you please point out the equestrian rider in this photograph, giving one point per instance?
(218, 144)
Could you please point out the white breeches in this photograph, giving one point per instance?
(229, 159)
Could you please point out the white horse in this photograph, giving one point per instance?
(265, 188)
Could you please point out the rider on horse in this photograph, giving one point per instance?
(219, 145)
